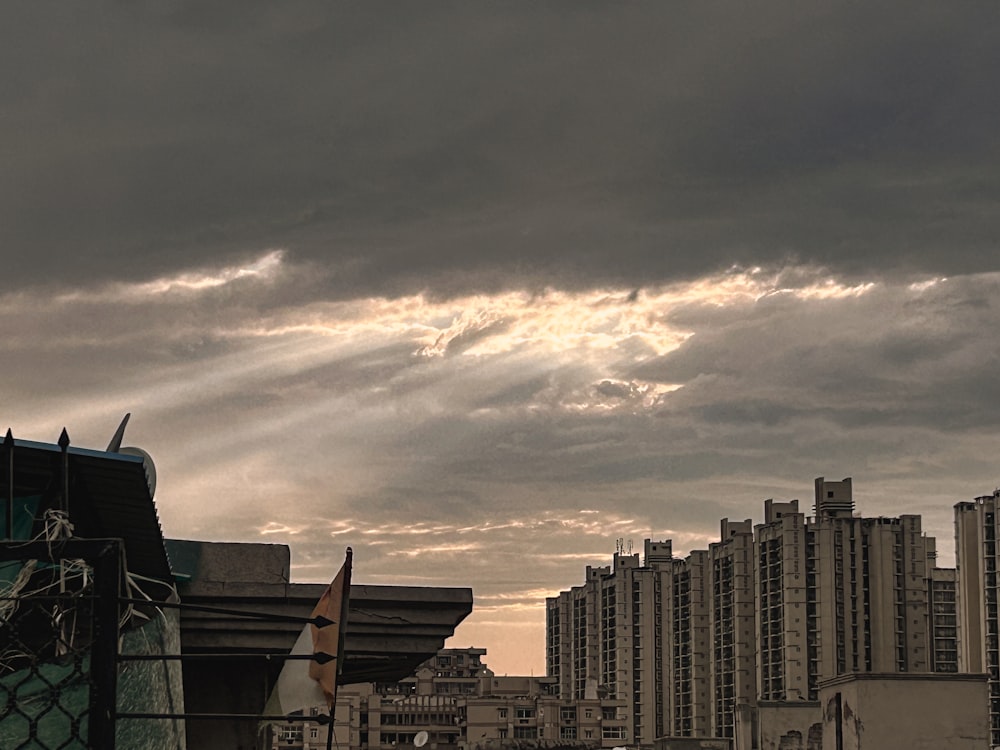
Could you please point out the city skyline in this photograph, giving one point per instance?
(753, 639)
(478, 290)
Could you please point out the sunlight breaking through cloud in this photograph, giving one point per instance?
(550, 523)
(439, 549)
(265, 267)
(468, 436)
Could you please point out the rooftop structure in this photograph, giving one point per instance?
(94, 519)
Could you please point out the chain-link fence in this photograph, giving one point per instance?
(58, 643)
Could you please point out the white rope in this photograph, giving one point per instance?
(56, 527)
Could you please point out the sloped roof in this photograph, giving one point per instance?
(108, 497)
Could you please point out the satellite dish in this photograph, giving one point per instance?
(147, 464)
(420, 739)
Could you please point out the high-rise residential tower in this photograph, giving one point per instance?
(721, 642)
(976, 562)
(614, 628)
(686, 606)
(733, 664)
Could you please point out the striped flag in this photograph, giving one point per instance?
(303, 684)
(330, 639)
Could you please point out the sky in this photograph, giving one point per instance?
(479, 289)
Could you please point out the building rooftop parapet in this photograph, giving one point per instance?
(624, 562)
(391, 629)
(904, 677)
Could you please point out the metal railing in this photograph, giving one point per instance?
(61, 614)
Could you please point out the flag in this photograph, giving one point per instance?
(303, 684)
(329, 640)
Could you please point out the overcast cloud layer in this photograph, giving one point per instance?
(478, 289)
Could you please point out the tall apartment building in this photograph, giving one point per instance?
(764, 616)
(877, 571)
(572, 636)
(976, 561)
(782, 600)
(605, 638)
(686, 611)
(943, 626)
(732, 615)
(839, 593)
(872, 587)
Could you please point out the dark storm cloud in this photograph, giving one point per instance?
(452, 146)
(442, 280)
(926, 362)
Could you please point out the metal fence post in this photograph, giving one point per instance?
(104, 654)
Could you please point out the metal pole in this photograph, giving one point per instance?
(103, 661)
(345, 600)
(8, 444)
(64, 447)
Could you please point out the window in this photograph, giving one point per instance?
(525, 733)
(313, 733)
(588, 713)
(501, 713)
(567, 733)
(524, 713)
(568, 713)
(613, 733)
(501, 734)
(609, 712)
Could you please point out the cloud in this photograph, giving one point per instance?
(485, 148)
(519, 458)
(479, 288)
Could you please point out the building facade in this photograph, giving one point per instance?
(686, 612)
(747, 630)
(976, 561)
(605, 639)
(733, 663)
(940, 711)
(455, 701)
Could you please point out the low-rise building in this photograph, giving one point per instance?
(455, 701)
(900, 710)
